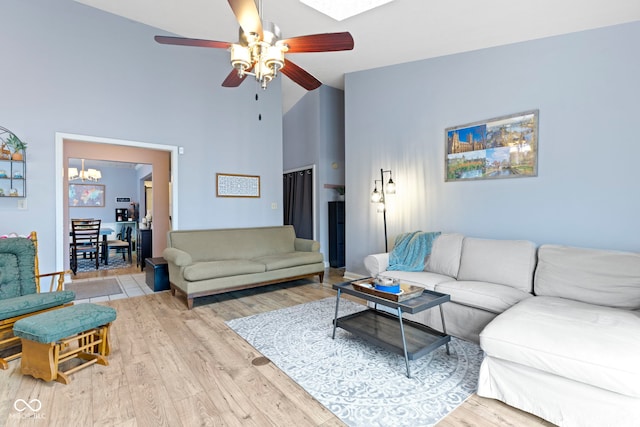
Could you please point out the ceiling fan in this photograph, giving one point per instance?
(260, 51)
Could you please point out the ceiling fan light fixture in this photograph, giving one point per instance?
(240, 58)
(260, 49)
(274, 58)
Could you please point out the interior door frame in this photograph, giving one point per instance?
(60, 166)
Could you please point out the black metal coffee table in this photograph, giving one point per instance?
(392, 332)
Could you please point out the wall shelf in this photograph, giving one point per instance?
(13, 182)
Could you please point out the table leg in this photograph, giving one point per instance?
(105, 250)
(444, 328)
(335, 317)
(404, 342)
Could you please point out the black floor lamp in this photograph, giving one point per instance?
(378, 197)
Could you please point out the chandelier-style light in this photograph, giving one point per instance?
(260, 58)
(88, 175)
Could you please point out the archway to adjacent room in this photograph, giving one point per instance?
(163, 159)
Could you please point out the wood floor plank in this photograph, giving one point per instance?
(112, 401)
(231, 400)
(152, 402)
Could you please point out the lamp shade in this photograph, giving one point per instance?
(376, 196)
(391, 187)
(73, 173)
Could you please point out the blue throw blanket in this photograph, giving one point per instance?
(410, 250)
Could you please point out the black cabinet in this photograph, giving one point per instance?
(143, 247)
(336, 234)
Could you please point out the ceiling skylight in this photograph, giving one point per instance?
(341, 9)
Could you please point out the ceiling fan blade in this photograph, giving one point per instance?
(233, 80)
(300, 76)
(181, 41)
(247, 15)
(327, 42)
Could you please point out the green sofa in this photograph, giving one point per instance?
(208, 262)
(20, 295)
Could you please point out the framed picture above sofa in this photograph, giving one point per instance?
(233, 185)
(503, 147)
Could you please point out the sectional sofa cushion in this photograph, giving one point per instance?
(607, 278)
(505, 262)
(586, 343)
(445, 255)
(490, 297)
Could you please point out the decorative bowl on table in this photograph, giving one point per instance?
(386, 284)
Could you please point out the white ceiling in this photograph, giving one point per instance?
(396, 32)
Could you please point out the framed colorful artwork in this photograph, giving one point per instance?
(86, 195)
(504, 147)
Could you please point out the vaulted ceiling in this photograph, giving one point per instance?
(397, 32)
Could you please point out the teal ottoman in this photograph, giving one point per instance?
(52, 338)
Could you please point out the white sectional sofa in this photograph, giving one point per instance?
(560, 326)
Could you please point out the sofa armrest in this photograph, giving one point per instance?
(376, 263)
(306, 245)
(177, 257)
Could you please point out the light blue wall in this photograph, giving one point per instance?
(74, 69)
(313, 133)
(587, 89)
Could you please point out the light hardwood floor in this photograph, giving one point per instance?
(171, 366)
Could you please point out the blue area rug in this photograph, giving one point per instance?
(115, 262)
(362, 384)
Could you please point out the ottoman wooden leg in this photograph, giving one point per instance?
(39, 360)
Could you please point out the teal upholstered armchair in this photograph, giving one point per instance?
(20, 294)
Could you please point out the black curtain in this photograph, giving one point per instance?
(298, 202)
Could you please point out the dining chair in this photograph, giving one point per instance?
(85, 240)
(122, 244)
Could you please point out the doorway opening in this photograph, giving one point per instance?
(163, 159)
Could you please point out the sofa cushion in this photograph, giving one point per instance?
(587, 343)
(483, 295)
(55, 325)
(505, 262)
(594, 276)
(9, 276)
(26, 304)
(17, 267)
(445, 255)
(424, 279)
(233, 243)
(213, 269)
(292, 259)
